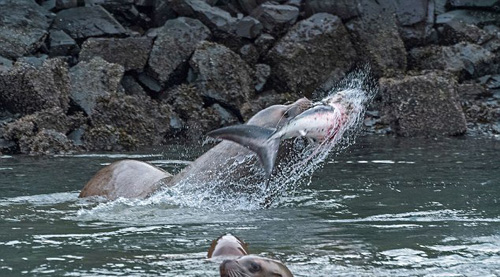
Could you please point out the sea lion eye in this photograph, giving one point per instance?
(254, 267)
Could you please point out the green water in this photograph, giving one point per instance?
(385, 207)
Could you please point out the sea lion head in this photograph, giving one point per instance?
(276, 116)
(227, 245)
(253, 266)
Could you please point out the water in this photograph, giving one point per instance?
(386, 207)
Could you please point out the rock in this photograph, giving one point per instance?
(93, 80)
(276, 19)
(248, 6)
(222, 76)
(132, 53)
(248, 27)
(84, 22)
(262, 73)
(263, 43)
(479, 18)
(345, 9)
(215, 18)
(377, 41)
(61, 44)
(33, 61)
(5, 64)
(264, 100)
(131, 86)
(162, 12)
(249, 53)
(26, 89)
(454, 31)
(423, 105)
(225, 116)
(175, 43)
(415, 21)
(66, 4)
(43, 132)
(126, 122)
(463, 59)
(490, 4)
(149, 82)
(314, 50)
(23, 27)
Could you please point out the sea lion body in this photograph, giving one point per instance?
(125, 178)
(254, 266)
(227, 246)
(227, 162)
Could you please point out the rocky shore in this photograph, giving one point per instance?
(92, 75)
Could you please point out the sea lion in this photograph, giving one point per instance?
(136, 179)
(254, 266)
(125, 178)
(227, 245)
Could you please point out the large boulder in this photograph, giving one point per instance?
(126, 122)
(276, 19)
(43, 132)
(93, 80)
(23, 27)
(84, 22)
(27, 89)
(423, 105)
(376, 38)
(221, 75)
(218, 20)
(463, 59)
(175, 43)
(474, 17)
(314, 50)
(132, 53)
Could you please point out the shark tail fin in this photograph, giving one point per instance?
(258, 139)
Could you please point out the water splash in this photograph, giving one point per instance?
(249, 192)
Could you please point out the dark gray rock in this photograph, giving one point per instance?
(131, 53)
(27, 89)
(149, 82)
(491, 4)
(48, 4)
(222, 75)
(131, 86)
(5, 64)
(43, 132)
(464, 59)
(66, 4)
(416, 21)
(36, 61)
(93, 80)
(248, 6)
(225, 117)
(249, 53)
(61, 44)
(314, 50)
(126, 122)
(174, 44)
(248, 27)
(454, 31)
(295, 3)
(262, 73)
(84, 22)
(423, 105)
(377, 41)
(162, 12)
(264, 100)
(215, 18)
(23, 27)
(345, 9)
(474, 17)
(276, 19)
(263, 43)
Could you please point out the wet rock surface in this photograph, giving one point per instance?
(117, 75)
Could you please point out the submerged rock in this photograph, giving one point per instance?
(23, 27)
(84, 22)
(175, 43)
(221, 75)
(131, 53)
(27, 89)
(423, 105)
(93, 80)
(313, 51)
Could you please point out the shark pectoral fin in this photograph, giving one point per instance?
(258, 139)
